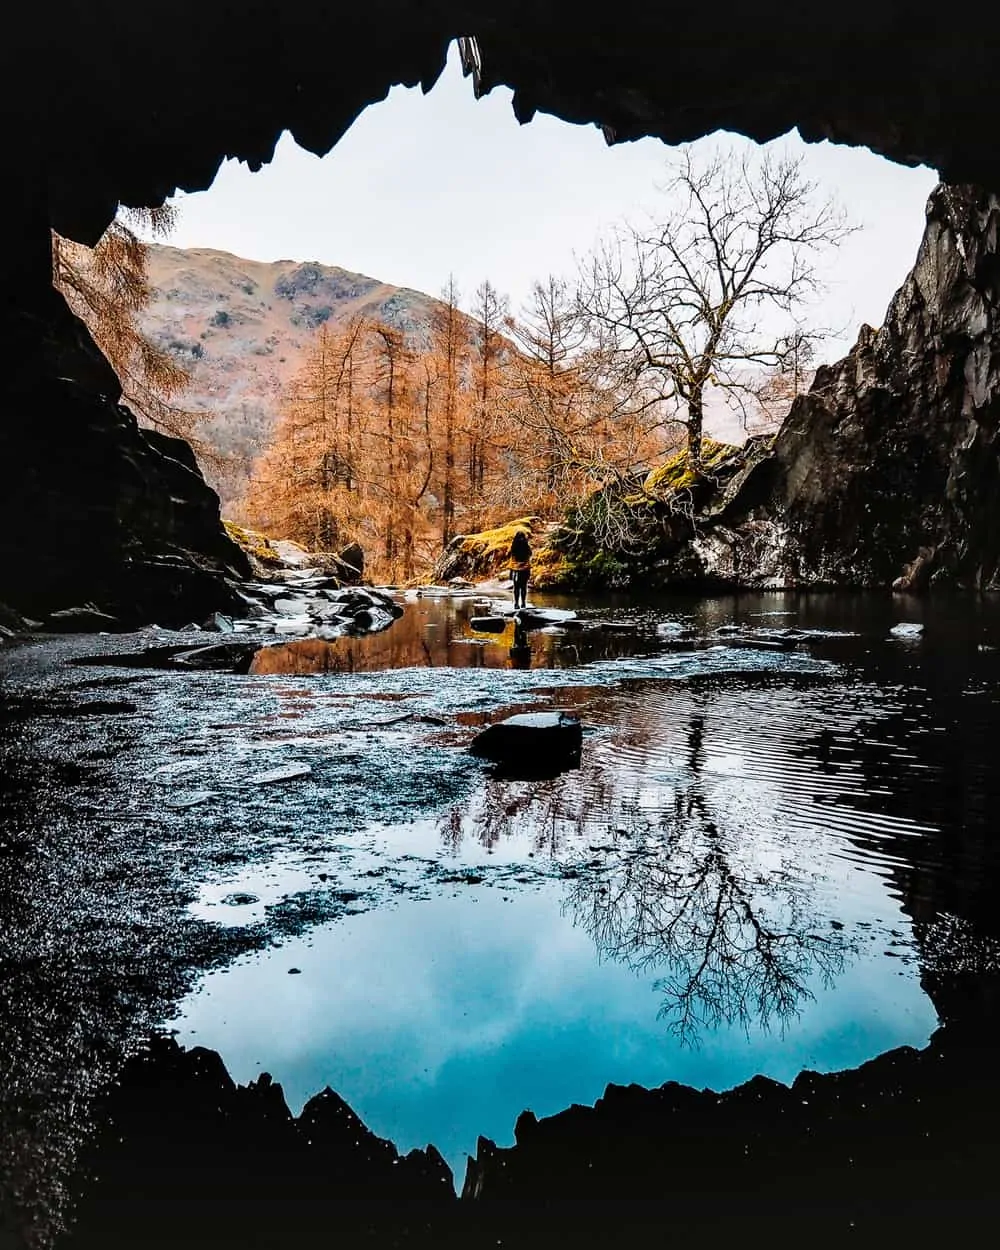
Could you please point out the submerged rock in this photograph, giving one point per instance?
(223, 656)
(193, 799)
(288, 772)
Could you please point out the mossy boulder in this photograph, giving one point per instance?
(485, 555)
(254, 544)
(628, 533)
(482, 555)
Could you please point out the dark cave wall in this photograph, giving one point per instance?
(130, 101)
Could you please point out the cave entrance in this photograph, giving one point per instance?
(430, 190)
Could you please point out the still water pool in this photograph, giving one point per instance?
(733, 882)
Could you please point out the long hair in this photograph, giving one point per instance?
(520, 548)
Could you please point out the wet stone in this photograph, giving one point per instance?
(219, 623)
(532, 740)
(193, 799)
(288, 772)
(488, 624)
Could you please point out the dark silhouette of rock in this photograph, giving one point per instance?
(94, 510)
(531, 742)
(186, 1157)
(354, 558)
(489, 624)
(904, 1145)
(83, 620)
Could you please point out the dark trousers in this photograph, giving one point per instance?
(520, 579)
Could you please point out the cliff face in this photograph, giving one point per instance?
(888, 470)
(93, 509)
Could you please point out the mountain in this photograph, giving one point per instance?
(240, 326)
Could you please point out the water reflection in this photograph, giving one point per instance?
(436, 633)
(728, 947)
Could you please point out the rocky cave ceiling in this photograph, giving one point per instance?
(114, 101)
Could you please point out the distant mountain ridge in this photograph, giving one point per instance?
(240, 327)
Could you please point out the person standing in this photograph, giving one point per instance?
(520, 568)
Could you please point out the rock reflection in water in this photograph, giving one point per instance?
(437, 634)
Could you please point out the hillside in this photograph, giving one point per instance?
(239, 326)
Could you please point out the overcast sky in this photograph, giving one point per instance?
(423, 186)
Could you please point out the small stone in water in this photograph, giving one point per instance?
(287, 772)
(488, 624)
(240, 900)
(189, 800)
(906, 629)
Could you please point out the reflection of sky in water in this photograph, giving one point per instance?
(443, 1009)
(439, 1020)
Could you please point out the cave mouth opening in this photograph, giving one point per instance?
(427, 188)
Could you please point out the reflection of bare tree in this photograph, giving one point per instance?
(732, 947)
(671, 875)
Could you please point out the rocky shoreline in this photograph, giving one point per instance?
(903, 1146)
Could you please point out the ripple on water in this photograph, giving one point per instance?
(714, 893)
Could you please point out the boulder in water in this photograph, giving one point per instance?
(532, 743)
(907, 630)
(488, 624)
(534, 618)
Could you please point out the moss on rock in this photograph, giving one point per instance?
(677, 473)
(254, 544)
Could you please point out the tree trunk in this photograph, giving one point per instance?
(694, 424)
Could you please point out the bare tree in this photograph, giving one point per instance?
(690, 299)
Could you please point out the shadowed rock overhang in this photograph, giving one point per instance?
(127, 102)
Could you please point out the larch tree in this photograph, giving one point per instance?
(694, 297)
(548, 384)
(449, 338)
(489, 352)
(107, 287)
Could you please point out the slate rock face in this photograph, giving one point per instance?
(887, 472)
(94, 510)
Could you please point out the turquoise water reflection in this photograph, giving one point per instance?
(442, 1019)
(717, 892)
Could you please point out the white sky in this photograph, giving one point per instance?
(423, 186)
